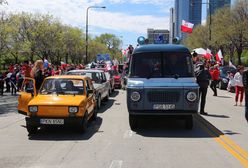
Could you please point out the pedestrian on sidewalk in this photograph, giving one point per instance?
(202, 76)
(215, 74)
(37, 73)
(245, 83)
(239, 87)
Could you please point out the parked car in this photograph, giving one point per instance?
(117, 79)
(223, 82)
(61, 100)
(100, 83)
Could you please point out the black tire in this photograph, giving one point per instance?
(189, 122)
(84, 123)
(221, 86)
(99, 102)
(32, 129)
(133, 122)
(106, 98)
(94, 116)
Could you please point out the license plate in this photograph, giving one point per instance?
(164, 106)
(52, 121)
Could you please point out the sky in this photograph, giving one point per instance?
(127, 19)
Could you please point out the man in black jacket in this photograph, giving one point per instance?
(202, 76)
(245, 83)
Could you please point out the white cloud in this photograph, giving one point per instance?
(73, 12)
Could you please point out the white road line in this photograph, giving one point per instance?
(128, 134)
(5, 103)
(116, 164)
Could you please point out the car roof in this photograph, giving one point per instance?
(161, 48)
(68, 77)
(87, 70)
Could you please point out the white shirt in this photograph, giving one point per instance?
(238, 79)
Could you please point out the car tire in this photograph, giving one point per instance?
(84, 123)
(133, 122)
(99, 102)
(32, 129)
(107, 97)
(94, 116)
(189, 122)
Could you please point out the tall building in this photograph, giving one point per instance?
(172, 25)
(158, 36)
(188, 10)
(214, 5)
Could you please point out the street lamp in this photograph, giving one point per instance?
(86, 40)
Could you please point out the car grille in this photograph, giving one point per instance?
(163, 96)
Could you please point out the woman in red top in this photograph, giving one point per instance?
(215, 74)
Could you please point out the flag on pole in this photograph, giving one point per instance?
(187, 27)
(231, 64)
(208, 54)
(219, 56)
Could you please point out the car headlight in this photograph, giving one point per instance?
(135, 96)
(73, 109)
(33, 109)
(191, 96)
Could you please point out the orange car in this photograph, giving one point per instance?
(61, 100)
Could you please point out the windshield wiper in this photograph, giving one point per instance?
(176, 76)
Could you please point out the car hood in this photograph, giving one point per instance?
(58, 100)
(161, 82)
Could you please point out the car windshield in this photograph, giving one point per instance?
(94, 76)
(63, 86)
(161, 65)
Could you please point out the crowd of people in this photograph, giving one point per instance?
(207, 74)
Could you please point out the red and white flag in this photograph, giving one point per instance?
(208, 54)
(187, 27)
(219, 56)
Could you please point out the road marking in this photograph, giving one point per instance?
(128, 134)
(116, 164)
(5, 103)
(239, 153)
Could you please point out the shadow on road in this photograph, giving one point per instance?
(115, 93)
(62, 133)
(8, 108)
(224, 96)
(218, 116)
(173, 127)
(106, 105)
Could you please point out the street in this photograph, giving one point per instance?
(216, 141)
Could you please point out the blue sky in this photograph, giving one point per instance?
(127, 19)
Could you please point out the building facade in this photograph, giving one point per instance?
(214, 5)
(172, 25)
(188, 10)
(158, 36)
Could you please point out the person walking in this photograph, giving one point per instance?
(245, 84)
(202, 77)
(215, 74)
(239, 87)
(37, 73)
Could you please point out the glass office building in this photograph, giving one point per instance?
(214, 5)
(189, 10)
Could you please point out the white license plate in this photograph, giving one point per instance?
(52, 121)
(164, 106)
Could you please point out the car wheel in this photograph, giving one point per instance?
(32, 129)
(107, 97)
(99, 102)
(189, 122)
(133, 122)
(84, 123)
(94, 116)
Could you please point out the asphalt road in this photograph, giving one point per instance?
(216, 141)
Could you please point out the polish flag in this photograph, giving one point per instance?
(187, 27)
(219, 56)
(208, 54)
